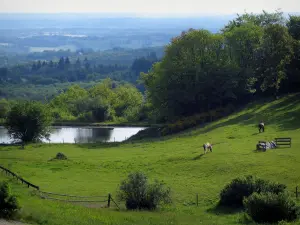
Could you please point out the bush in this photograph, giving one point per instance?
(60, 156)
(234, 193)
(9, 204)
(271, 208)
(138, 194)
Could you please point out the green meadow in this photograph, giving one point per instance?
(178, 160)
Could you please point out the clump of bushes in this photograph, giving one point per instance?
(264, 201)
(234, 193)
(60, 156)
(197, 119)
(139, 194)
(9, 204)
(271, 208)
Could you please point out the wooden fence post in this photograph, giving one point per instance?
(197, 199)
(108, 201)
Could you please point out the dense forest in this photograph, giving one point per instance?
(253, 56)
(42, 79)
(49, 72)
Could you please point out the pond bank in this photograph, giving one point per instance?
(84, 124)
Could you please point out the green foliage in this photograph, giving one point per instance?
(128, 102)
(139, 194)
(202, 71)
(9, 204)
(234, 193)
(190, 80)
(262, 19)
(4, 108)
(271, 207)
(105, 101)
(276, 52)
(82, 68)
(293, 25)
(28, 121)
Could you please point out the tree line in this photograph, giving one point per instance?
(253, 56)
(65, 70)
(105, 101)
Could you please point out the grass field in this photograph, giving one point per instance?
(178, 160)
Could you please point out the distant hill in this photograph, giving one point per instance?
(25, 33)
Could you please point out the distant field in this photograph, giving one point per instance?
(178, 160)
(63, 47)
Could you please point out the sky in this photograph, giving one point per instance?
(149, 7)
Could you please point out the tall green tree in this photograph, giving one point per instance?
(293, 25)
(194, 75)
(276, 52)
(28, 121)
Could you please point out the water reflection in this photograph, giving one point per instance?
(83, 134)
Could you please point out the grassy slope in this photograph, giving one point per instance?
(178, 160)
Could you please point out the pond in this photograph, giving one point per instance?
(83, 134)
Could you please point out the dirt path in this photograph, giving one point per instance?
(4, 222)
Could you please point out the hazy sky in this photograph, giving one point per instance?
(149, 6)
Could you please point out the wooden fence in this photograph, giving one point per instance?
(78, 199)
(63, 197)
(8, 172)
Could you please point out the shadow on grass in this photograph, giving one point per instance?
(259, 151)
(99, 145)
(279, 112)
(198, 156)
(275, 113)
(222, 210)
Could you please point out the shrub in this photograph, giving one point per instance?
(9, 204)
(139, 194)
(234, 193)
(60, 156)
(271, 208)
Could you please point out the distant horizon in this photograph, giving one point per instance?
(153, 8)
(136, 15)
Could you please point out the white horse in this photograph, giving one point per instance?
(207, 146)
(261, 127)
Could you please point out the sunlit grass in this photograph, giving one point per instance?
(178, 160)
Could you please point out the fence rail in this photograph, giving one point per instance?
(19, 178)
(80, 199)
(47, 195)
(66, 195)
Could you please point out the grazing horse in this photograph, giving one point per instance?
(207, 146)
(261, 127)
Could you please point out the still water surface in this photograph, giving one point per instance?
(83, 134)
